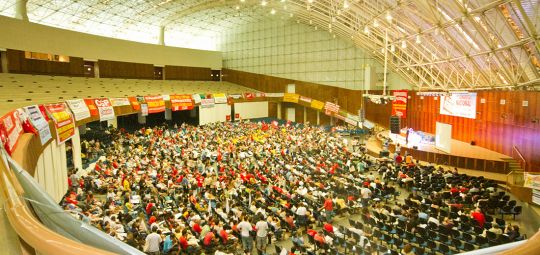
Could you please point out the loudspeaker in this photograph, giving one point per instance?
(395, 124)
(473, 143)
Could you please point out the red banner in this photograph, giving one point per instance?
(155, 104)
(399, 105)
(91, 107)
(331, 108)
(134, 103)
(63, 121)
(11, 129)
(181, 102)
(249, 96)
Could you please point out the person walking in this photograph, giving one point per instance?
(262, 233)
(245, 227)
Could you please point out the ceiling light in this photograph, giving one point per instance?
(310, 1)
(264, 3)
(392, 48)
(310, 22)
(333, 19)
(273, 12)
(316, 28)
(345, 4)
(334, 36)
(366, 30)
(418, 40)
(242, 1)
(283, 1)
(403, 44)
(375, 23)
(237, 7)
(388, 16)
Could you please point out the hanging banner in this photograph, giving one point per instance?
(196, 98)
(38, 121)
(155, 104)
(459, 104)
(105, 109)
(119, 101)
(144, 110)
(351, 121)
(331, 108)
(220, 98)
(293, 98)
(63, 121)
(274, 94)
(207, 103)
(11, 127)
(260, 94)
(79, 109)
(305, 99)
(317, 104)
(399, 105)
(134, 103)
(91, 107)
(235, 96)
(532, 181)
(249, 96)
(166, 97)
(181, 102)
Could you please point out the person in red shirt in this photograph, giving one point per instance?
(479, 217)
(197, 228)
(208, 238)
(224, 236)
(328, 227)
(319, 238)
(328, 208)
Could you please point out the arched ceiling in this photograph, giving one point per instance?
(450, 44)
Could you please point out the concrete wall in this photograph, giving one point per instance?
(51, 170)
(19, 35)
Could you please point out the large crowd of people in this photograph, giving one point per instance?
(218, 187)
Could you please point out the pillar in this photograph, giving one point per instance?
(141, 119)
(279, 110)
(113, 122)
(161, 39)
(370, 78)
(3, 61)
(305, 114)
(20, 10)
(76, 150)
(168, 114)
(96, 69)
(318, 118)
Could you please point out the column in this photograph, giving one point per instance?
(305, 115)
(141, 119)
(20, 10)
(3, 61)
(279, 110)
(161, 39)
(76, 150)
(113, 122)
(168, 114)
(318, 118)
(370, 78)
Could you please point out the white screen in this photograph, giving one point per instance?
(443, 137)
(251, 110)
(218, 113)
(459, 104)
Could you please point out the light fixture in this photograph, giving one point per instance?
(375, 23)
(392, 48)
(388, 16)
(242, 1)
(273, 11)
(333, 19)
(345, 4)
(310, 22)
(310, 1)
(366, 30)
(264, 3)
(237, 7)
(403, 44)
(418, 40)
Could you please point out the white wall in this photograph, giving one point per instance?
(218, 113)
(29, 36)
(51, 170)
(296, 51)
(251, 110)
(291, 114)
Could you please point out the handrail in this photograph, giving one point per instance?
(523, 162)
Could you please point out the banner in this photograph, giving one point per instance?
(399, 105)
(166, 97)
(532, 181)
(249, 96)
(331, 108)
(260, 94)
(91, 107)
(79, 109)
(339, 117)
(275, 94)
(63, 121)
(144, 110)
(220, 98)
(351, 121)
(155, 104)
(293, 98)
(38, 121)
(105, 109)
(207, 103)
(134, 103)
(317, 104)
(11, 127)
(305, 99)
(235, 96)
(119, 101)
(181, 102)
(196, 98)
(459, 104)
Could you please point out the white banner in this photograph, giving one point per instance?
(166, 97)
(532, 181)
(106, 111)
(119, 101)
(79, 109)
(459, 104)
(275, 94)
(220, 98)
(144, 110)
(351, 121)
(38, 121)
(207, 102)
(196, 98)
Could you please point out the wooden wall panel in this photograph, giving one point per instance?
(187, 73)
(18, 63)
(272, 110)
(127, 70)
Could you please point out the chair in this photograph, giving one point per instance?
(500, 222)
(481, 241)
(516, 211)
(278, 249)
(444, 249)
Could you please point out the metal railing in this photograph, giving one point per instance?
(516, 154)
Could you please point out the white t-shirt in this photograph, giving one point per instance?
(262, 228)
(153, 240)
(301, 211)
(244, 227)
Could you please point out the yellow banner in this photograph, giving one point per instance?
(293, 98)
(317, 104)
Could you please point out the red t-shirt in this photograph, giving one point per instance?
(328, 227)
(479, 217)
(224, 235)
(311, 232)
(183, 242)
(208, 238)
(319, 238)
(328, 205)
(197, 228)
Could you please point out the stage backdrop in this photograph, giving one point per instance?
(459, 104)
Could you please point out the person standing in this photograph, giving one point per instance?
(245, 227)
(153, 242)
(328, 208)
(262, 232)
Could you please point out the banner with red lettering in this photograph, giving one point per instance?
(105, 109)
(63, 121)
(91, 107)
(399, 105)
(11, 129)
(249, 96)
(134, 103)
(37, 119)
(79, 109)
(155, 104)
(331, 108)
(181, 102)
(459, 104)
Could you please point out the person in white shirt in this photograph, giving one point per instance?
(301, 214)
(262, 232)
(152, 244)
(247, 242)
